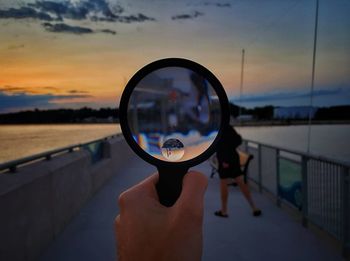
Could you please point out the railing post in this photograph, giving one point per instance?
(13, 169)
(346, 210)
(259, 168)
(106, 149)
(278, 199)
(304, 190)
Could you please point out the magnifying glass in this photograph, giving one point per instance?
(172, 113)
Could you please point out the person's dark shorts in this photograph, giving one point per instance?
(233, 171)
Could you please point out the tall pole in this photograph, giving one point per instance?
(241, 86)
(312, 78)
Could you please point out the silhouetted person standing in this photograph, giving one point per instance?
(229, 168)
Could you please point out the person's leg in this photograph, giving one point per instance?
(224, 195)
(246, 192)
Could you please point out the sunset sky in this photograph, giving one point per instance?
(76, 53)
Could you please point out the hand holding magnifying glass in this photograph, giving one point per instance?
(172, 113)
(147, 230)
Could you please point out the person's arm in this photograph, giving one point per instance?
(225, 165)
(146, 230)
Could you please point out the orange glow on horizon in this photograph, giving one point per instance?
(93, 68)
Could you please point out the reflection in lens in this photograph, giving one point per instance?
(174, 103)
(173, 149)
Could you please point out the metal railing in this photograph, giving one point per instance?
(95, 148)
(316, 186)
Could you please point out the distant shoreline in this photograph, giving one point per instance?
(242, 124)
(62, 123)
(290, 123)
(258, 116)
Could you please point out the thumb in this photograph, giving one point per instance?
(194, 185)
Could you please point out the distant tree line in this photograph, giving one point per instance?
(334, 113)
(60, 116)
(259, 113)
(88, 115)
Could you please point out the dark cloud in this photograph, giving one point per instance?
(95, 10)
(18, 89)
(35, 90)
(8, 102)
(50, 88)
(52, 7)
(8, 88)
(24, 12)
(278, 96)
(78, 11)
(223, 5)
(187, 16)
(139, 18)
(135, 18)
(20, 100)
(217, 4)
(65, 28)
(107, 31)
(77, 92)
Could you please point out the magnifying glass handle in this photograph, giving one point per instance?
(169, 185)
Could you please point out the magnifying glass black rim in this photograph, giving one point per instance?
(160, 64)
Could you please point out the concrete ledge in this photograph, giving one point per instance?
(40, 199)
(71, 187)
(98, 179)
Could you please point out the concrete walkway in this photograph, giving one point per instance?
(274, 236)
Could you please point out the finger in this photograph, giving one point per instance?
(193, 188)
(148, 184)
(145, 189)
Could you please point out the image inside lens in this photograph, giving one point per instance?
(174, 114)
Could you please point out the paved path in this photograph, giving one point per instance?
(273, 236)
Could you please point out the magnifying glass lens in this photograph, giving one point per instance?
(174, 114)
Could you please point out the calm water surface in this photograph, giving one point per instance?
(326, 140)
(18, 141)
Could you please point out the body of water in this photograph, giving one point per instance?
(19, 141)
(326, 140)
